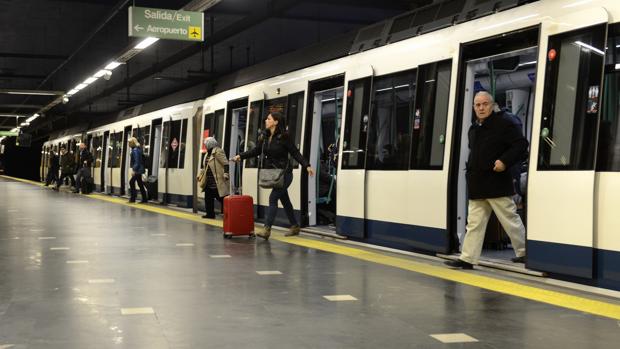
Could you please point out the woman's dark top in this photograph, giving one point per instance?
(276, 152)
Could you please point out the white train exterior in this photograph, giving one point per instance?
(399, 115)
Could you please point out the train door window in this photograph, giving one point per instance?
(294, 117)
(255, 124)
(431, 116)
(275, 104)
(116, 148)
(173, 152)
(218, 125)
(571, 100)
(608, 154)
(356, 124)
(97, 150)
(207, 131)
(389, 135)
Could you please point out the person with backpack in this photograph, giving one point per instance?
(137, 170)
(83, 174)
(274, 146)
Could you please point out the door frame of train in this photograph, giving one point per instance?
(314, 86)
(561, 239)
(197, 143)
(104, 160)
(499, 44)
(351, 217)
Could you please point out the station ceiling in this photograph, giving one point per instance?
(53, 45)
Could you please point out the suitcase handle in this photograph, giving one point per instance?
(237, 166)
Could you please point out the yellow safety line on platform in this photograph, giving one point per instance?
(559, 299)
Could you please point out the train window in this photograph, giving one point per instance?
(142, 134)
(173, 151)
(255, 124)
(218, 125)
(276, 104)
(389, 133)
(294, 118)
(571, 100)
(356, 124)
(608, 154)
(430, 116)
(116, 146)
(97, 150)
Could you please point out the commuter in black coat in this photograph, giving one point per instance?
(496, 143)
(84, 163)
(53, 166)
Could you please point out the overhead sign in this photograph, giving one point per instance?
(8, 134)
(166, 24)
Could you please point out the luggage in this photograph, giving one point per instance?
(238, 216)
(87, 185)
(151, 187)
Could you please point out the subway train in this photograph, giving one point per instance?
(385, 128)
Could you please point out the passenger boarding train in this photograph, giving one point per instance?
(386, 130)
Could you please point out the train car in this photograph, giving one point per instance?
(386, 130)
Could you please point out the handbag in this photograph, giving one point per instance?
(270, 178)
(202, 178)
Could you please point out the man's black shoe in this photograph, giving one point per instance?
(518, 259)
(459, 264)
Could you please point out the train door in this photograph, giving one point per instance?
(321, 139)
(504, 66)
(234, 142)
(105, 151)
(326, 120)
(125, 168)
(561, 191)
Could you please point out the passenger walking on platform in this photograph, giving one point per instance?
(276, 145)
(67, 167)
(214, 177)
(496, 143)
(84, 163)
(52, 172)
(137, 170)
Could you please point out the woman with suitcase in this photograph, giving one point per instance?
(214, 178)
(274, 146)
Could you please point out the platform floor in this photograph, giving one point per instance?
(82, 272)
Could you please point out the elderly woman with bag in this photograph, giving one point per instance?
(274, 147)
(214, 178)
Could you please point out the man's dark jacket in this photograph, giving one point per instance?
(85, 156)
(497, 138)
(67, 163)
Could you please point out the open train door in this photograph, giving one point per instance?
(351, 189)
(561, 176)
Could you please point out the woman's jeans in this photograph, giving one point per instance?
(282, 195)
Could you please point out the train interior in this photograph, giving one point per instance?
(324, 158)
(510, 77)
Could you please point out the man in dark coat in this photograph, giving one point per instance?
(496, 143)
(83, 164)
(67, 167)
(52, 172)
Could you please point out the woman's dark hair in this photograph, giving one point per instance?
(281, 128)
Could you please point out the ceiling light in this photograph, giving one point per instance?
(527, 63)
(24, 124)
(112, 65)
(15, 129)
(618, 66)
(145, 43)
(90, 80)
(31, 92)
(80, 86)
(101, 73)
(72, 92)
(11, 115)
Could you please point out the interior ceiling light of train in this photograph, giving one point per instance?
(64, 62)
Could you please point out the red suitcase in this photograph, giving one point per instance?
(238, 216)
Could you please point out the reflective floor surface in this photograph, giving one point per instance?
(82, 273)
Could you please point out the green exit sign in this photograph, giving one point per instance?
(166, 24)
(8, 134)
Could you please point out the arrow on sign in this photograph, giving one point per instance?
(138, 27)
